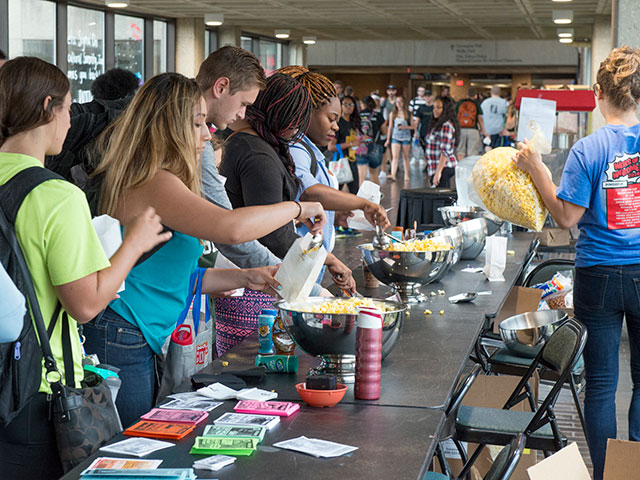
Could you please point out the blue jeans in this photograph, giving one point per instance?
(603, 295)
(121, 344)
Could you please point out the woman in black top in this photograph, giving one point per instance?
(349, 137)
(257, 163)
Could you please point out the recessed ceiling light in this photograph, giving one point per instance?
(309, 40)
(561, 1)
(116, 3)
(562, 17)
(213, 19)
(566, 40)
(282, 33)
(565, 32)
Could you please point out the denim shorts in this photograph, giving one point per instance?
(401, 142)
(373, 158)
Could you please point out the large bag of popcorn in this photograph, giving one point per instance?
(508, 191)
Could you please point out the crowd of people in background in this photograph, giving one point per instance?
(406, 128)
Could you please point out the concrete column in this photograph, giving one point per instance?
(229, 36)
(625, 26)
(519, 80)
(600, 48)
(298, 54)
(461, 91)
(189, 45)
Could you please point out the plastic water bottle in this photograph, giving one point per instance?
(368, 354)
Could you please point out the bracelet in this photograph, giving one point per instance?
(299, 209)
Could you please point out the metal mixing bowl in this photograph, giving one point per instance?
(406, 271)
(474, 237)
(454, 215)
(452, 235)
(525, 334)
(332, 336)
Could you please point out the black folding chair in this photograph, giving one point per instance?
(498, 427)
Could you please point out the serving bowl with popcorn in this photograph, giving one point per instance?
(407, 267)
(326, 327)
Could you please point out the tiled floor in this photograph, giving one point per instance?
(568, 419)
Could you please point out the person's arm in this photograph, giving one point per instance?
(392, 118)
(244, 255)
(218, 280)
(483, 132)
(341, 274)
(192, 215)
(337, 200)
(565, 213)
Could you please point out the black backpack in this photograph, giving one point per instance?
(20, 361)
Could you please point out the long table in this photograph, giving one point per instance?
(396, 434)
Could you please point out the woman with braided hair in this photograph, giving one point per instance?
(316, 181)
(257, 162)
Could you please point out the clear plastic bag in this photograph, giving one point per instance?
(507, 191)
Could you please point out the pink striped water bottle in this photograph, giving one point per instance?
(368, 354)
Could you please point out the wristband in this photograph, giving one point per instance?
(299, 211)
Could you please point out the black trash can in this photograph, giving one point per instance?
(420, 205)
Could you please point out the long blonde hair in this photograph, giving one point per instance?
(154, 133)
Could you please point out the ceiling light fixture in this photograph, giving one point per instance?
(562, 17)
(561, 1)
(282, 33)
(214, 19)
(565, 32)
(566, 40)
(116, 4)
(309, 40)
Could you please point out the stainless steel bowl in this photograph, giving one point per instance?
(452, 235)
(525, 334)
(454, 215)
(332, 336)
(406, 271)
(474, 237)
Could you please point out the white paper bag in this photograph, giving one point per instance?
(108, 230)
(224, 262)
(300, 269)
(369, 191)
(495, 258)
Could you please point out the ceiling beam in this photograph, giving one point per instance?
(527, 11)
(444, 5)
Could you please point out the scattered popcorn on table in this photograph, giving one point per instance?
(440, 292)
(427, 312)
(441, 312)
(433, 294)
(508, 191)
(225, 364)
(511, 252)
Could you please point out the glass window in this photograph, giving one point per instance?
(245, 42)
(270, 55)
(159, 47)
(32, 26)
(85, 57)
(128, 37)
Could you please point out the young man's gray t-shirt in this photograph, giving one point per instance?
(494, 110)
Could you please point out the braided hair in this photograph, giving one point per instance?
(320, 87)
(282, 106)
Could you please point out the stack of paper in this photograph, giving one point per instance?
(267, 421)
(224, 445)
(124, 463)
(138, 447)
(214, 463)
(281, 409)
(191, 402)
(218, 391)
(190, 417)
(235, 431)
(315, 447)
(152, 474)
(146, 428)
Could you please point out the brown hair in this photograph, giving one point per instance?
(321, 89)
(405, 109)
(25, 82)
(241, 67)
(619, 77)
(154, 133)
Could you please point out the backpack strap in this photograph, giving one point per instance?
(314, 161)
(14, 191)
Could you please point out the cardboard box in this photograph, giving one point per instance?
(621, 463)
(554, 237)
(519, 300)
(492, 391)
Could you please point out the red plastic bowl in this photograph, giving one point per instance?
(321, 398)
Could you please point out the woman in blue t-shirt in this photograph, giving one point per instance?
(600, 191)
